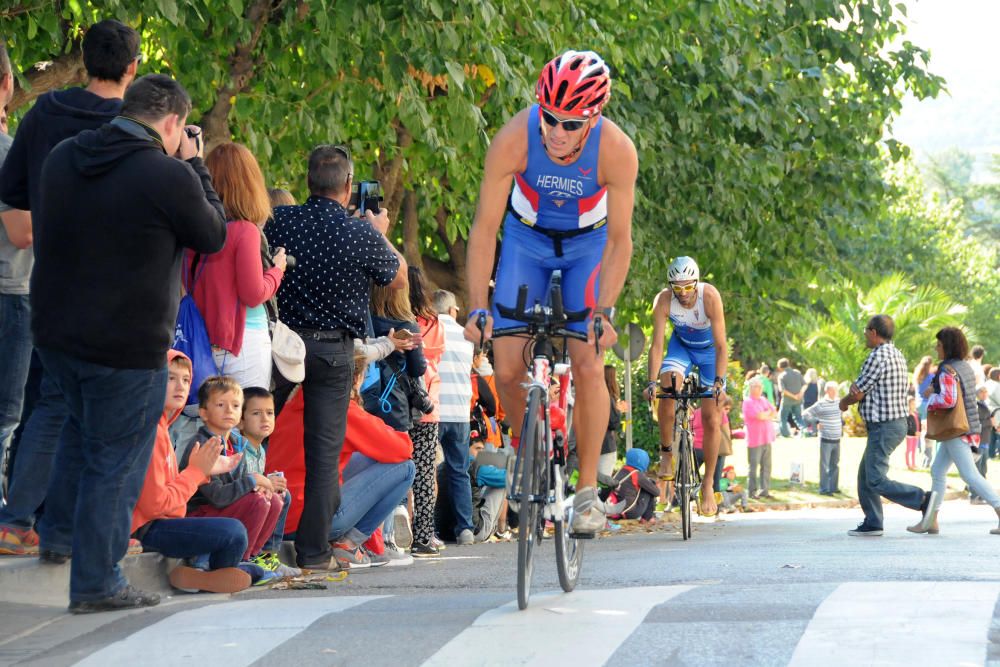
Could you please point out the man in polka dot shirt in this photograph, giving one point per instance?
(326, 299)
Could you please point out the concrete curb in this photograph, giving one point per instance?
(26, 580)
(845, 503)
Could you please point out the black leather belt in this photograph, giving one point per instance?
(329, 335)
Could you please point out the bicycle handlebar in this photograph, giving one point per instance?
(551, 320)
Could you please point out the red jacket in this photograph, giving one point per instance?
(232, 280)
(166, 492)
(366, 434)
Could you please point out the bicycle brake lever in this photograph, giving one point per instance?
(481, 324)
(598, 332)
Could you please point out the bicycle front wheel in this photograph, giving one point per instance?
(685, 483)
(533, 489)
(569, 550)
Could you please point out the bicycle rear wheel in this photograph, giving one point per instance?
(684, 483)
(533, 487)
(569, 550)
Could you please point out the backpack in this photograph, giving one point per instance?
(191, 335)
(617, 495)
(479, 427)
(911, 425)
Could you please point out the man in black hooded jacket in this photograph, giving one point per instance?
(111, 56)
(117, 209)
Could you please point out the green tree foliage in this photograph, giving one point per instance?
(758, 124)
(833, 343)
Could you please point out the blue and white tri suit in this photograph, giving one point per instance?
(691, 343)
(556, 219)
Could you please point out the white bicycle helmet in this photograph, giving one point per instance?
(682, 269)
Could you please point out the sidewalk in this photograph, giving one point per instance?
(787, 496)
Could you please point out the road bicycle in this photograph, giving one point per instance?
(687, 480)
(539, 487)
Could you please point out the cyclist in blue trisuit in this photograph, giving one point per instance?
(694, 309)
(561, 179)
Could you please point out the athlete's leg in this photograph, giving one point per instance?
(711, 420)
(521, 263)
(591, 410)
(665, 415)
(511, 376)
(673, 370)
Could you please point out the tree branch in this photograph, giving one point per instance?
(66, 70)
(242, 65)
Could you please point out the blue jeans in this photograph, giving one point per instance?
(100, 466)
(794, 410)
(274, 542)
(369, 493)
(454, 439)
(222, 539)
(15, 359)
(873, 483)
(958, 452)
(829, 465)
(35, 453)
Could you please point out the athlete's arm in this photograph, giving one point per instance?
(618, 169)
(507, 155)
(714, 310)
(661, 307)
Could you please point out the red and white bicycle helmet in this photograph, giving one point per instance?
(576, 83)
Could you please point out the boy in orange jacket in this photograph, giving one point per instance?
(213, 546)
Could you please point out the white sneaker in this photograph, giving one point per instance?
(402, 534)
(588, 513)
(397, 556)
(465, 538)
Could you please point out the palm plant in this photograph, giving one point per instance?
(832, 342)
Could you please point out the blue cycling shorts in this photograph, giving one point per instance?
(681, 359)
(528, 258)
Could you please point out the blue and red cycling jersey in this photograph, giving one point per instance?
(556, 219)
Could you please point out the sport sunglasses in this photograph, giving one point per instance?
(684, 289)
(568, 125)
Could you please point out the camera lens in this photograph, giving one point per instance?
(290, 262)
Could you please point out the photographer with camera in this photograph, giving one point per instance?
(105, 290)
(326, 299)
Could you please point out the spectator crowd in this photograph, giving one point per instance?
(196, 365)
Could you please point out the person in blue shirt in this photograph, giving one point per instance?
(560, 177)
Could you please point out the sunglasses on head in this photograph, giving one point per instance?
(571, 125)
(684, 289)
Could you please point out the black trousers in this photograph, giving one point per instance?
(326, 391)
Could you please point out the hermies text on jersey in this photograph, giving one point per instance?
(559, 185)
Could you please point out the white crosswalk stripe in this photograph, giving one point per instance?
(233, 634)
(580, 628)
(858, 623)
(900, 623)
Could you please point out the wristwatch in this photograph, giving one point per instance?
(608, 313)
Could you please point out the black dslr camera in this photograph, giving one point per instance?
(419, 398)
(367, 197)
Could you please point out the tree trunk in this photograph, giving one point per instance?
(66, 70)
(411, 231)
(390, 175)
(242, 63)
(456, 255)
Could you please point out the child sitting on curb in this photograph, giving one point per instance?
(256, 425)
(731, 492)
(239, 494)
(634, 490)
(158, 520)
